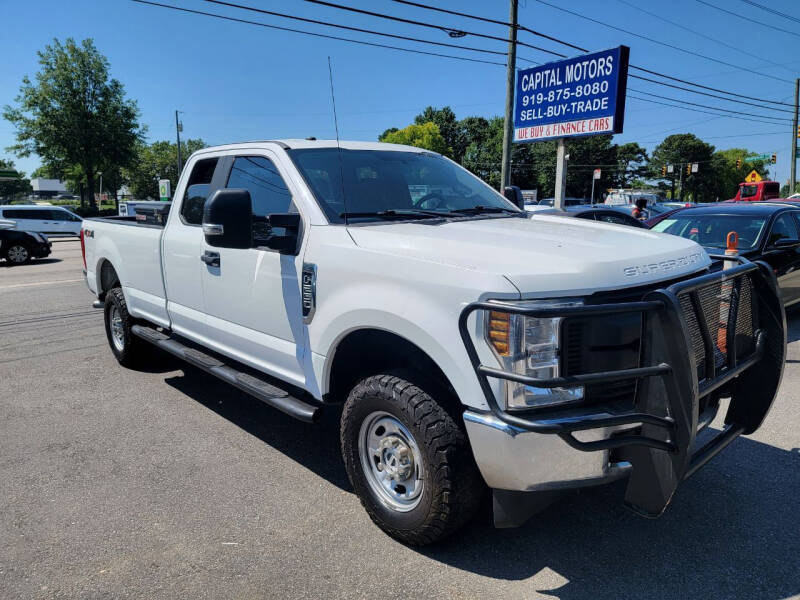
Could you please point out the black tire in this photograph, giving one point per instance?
(131, 352)
(451, 488)
(18, 254)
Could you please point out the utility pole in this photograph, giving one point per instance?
(561, 174)
(680, 184)
(793, 159)
(178, 128)
(511, 71)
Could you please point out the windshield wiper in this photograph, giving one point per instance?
(476, 210)
(397, 213)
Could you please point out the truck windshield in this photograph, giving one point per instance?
(712, 231)
(368, 185)
(748, 191)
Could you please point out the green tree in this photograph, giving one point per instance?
(74, 114)
(158, 160)
(426, 135)
(10, 189)
(679, 150)
(631, 164)
(449, 126)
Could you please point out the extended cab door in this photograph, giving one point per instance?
(252, 299)
(182, 247)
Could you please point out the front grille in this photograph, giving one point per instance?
(726, 311)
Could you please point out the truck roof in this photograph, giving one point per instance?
(304, 144)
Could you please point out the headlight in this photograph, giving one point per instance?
(530, 346)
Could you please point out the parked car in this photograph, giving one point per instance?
(548, 203)
(756, 191)
(766, 231)
(653, 220)
(51, 220)
(18, 247)
(471, 344)
(606, 214)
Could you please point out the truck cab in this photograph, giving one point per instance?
(757, 191)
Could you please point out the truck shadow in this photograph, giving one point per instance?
(316, 446)
(731, 532)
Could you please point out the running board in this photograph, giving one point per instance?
(255, 386)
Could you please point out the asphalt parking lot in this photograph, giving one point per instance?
(118, 483)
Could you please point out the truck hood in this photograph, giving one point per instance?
(543, 255)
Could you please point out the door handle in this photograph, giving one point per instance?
(210, 258)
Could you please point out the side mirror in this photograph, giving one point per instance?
(228, 219)
(786, 243)
(514, 195)
(284, 242)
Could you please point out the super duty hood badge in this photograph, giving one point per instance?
(662, 266)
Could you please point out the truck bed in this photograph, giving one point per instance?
(134, 250)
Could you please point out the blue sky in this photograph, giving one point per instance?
(237, 82)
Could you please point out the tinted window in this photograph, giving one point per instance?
(618, 219)
(23, 213)
(198, 189)
(259, 176)
(783, 229)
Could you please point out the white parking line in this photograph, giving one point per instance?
(37, 283)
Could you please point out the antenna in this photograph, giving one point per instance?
(338, 146)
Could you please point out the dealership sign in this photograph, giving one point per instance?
(578, 96)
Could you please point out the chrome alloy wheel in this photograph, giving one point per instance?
(117, 328)
(391, 461)
(18, 254)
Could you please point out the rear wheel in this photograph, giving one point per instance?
(129, 350)
(408, 460)
(18, 254)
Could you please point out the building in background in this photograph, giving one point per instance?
(48, 188)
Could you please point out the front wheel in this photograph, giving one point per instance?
(18, 254)
(408, 460)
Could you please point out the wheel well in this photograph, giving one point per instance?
(108, 278)
(368, 352)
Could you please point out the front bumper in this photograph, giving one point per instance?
(41, 250)
(686, 358)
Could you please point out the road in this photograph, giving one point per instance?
(118, 483)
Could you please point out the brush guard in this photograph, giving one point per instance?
(725, 328)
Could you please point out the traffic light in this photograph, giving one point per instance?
(664, 171)
(798, 131)
(689, 168)
(738, 163)
(774, 158)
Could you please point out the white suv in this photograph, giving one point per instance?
(51, 220)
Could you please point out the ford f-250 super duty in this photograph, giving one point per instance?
(471, 344)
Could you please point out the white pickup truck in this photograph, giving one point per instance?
(472, 345)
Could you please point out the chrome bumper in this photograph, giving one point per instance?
(511, 458)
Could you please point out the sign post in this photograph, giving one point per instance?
(595, 177)
(579, 96)
(163, 190)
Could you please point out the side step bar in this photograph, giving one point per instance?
(256, 387)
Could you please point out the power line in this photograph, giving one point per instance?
(748, 19)
(677, 87)
(338, 38)
(705, 36)
(448, 30)
(320, 35)
(772, 10)
(716, 114)
(655, 41)
(719, 108)
(351, 28)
